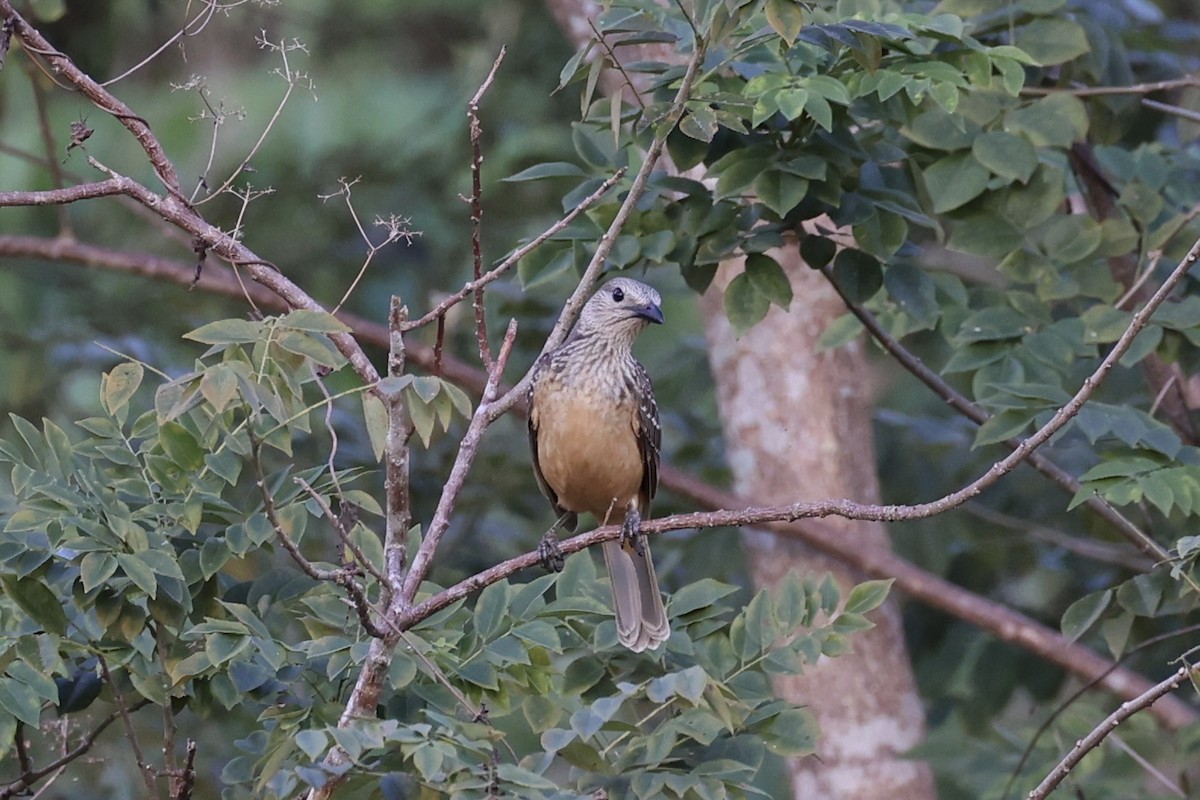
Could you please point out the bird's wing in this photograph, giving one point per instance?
(649, 437)
(538, 369)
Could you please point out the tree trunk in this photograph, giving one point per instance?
(798, 427)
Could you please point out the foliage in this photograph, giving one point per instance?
(145, 559)
(893, 138)
(143, 548)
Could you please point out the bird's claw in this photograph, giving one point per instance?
(631, 534)
(550, 552)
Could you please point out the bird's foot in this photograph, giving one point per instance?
(631, 532)
(550, 552)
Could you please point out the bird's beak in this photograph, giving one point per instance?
(651, 312)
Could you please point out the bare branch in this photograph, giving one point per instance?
(35, 43)
(70, 194)
(144, 768)
(476, 201)
(595, 267)
(1093, 739)
(21, 785)
(467, 449)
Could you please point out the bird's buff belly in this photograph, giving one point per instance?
(596, 466)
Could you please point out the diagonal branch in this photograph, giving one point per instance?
(594, 268)
(64, 67)
(1000, 621)
(979, 416)
(1110, 723)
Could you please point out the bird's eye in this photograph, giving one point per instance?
(618, 294)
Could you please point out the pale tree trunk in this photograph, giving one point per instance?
(798, 427)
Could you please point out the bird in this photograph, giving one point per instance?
(595, 435)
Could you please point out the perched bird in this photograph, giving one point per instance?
(594, 431)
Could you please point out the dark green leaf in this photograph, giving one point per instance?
(769, 279)
(1083, 613)
(744, 305)
(858, 274)
(1005, 154)
(36, 600)
(954, 181)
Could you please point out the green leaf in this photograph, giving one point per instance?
(312, 743)
(769, 279)
(1058, 120)
(228, 331)
(786, 18)
(549, 169)
(1005, 154)
(701, 594)
(219, 386)
(491, 610)
(858, 274)
(780, 191)
(1083, 613)
(118, 385)
(954, 181)
(913, 291)
(375, 415)
(1052, 40)
(36, 600)
(700, 122)
(181, 447)
(867, 596)
(989, 324)
(817, 251)
(842, 330)
(138, 572)
(744, 305)
(303, 319)
(1104, 324)
(17, 699)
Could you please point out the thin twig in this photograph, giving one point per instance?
(340, 529)
(62, 65)
(144, 768)
(591, 274)
(1095, 91)
(513, 258)
(476, 200)
(1107, 726)
(203, 18)
(343, 577)
(21, 785)
(467, 450)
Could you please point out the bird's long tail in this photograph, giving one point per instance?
(641, 619)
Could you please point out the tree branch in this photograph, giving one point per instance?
(467, 449)
(36, 44)
(1093, 739)
(594, 268)
(476, 201)
(979, 416)
(923, 586)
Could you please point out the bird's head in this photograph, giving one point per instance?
(621, 308)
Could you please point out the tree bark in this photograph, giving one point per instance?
(798, 426)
